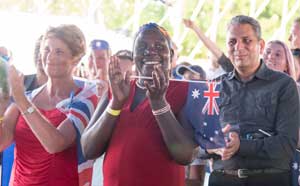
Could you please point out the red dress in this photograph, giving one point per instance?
(137, 154)
(35, 166)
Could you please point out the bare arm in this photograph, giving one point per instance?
(179, 142)
(7, 128)
(215, 50)
(52, 139)
(97, 135)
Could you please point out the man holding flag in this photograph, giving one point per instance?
(262, 108)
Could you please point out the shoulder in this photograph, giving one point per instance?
(177, 95)
(225, 76)
(280, 78)
(178, 87)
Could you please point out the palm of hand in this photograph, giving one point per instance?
(120, 86)
(157, 91)
(188, 23)
(120, 89)
(16, 80)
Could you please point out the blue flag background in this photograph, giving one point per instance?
(295, 169)
(202, 112)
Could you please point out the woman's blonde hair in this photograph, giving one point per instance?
(290, 64)
(72, 36)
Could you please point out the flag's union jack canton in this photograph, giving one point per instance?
(79, 109)
(211, 107)
(202, 112)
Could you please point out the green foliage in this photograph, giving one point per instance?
(116, 16)
(118, 13)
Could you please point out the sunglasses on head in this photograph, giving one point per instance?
(296, 52)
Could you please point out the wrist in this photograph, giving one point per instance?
(23, 104)
(113, 112)
(158, 104)
(20, 99)
(116, 105)
(162, 110)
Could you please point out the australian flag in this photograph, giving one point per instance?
(202, 112)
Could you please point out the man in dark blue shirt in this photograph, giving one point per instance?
(262, 108)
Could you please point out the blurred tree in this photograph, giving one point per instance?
(126, 15)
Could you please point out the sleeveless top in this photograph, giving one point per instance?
(137, 154)
(33, 165)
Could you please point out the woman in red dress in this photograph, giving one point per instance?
(45, 137)
(141, 132)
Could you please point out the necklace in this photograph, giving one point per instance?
(140, 86)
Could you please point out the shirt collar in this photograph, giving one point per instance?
(261, 73)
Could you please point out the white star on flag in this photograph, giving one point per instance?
(295, 165)
(195, 93)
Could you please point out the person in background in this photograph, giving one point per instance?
(263, 133)
(31, 82)
(45, 137)
(278, 56)
(126, 60)
(7, 155)
(5, 52)
(175, 55)
(294, 39)
(174, 73)
(34, 81)
(98, 61)
(138, 126)
(191, 72)
(81, 71)
(218, 57)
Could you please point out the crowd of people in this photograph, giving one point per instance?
(125, 110)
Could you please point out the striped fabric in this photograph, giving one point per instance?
(79, 109)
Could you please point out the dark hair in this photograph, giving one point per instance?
(125, 54)
(242, 19)
(181, 69)
(150, 26)
(72, 36)
(37, 52)
(297, 20)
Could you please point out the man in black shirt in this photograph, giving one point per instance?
(262, 108)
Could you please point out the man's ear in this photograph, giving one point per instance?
(261, 46)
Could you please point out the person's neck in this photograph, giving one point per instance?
(61, 87)
(246, 74)
(41, 78)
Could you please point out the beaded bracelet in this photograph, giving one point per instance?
(113, 112)
(163, 110)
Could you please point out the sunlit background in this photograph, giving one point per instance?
(23, 21)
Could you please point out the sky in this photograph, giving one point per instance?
(19, 31)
